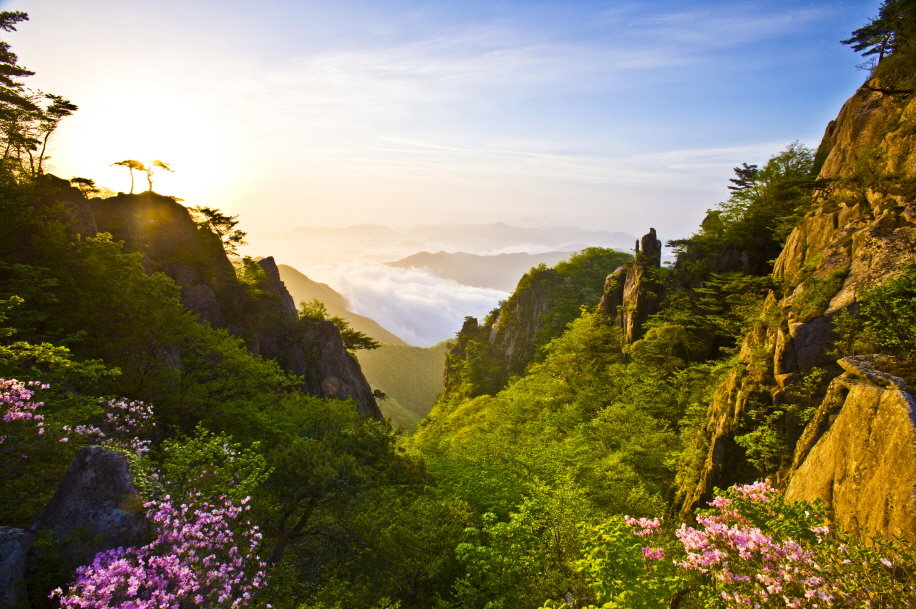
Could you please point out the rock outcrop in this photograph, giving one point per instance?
(14, 551)
(313, 350)
(860, 232)
(96, 507)
(633, 292)
(858, 454)
(162, 230)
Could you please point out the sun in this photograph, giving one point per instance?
(147, 126)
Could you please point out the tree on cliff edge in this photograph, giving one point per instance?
(223, 225)
(25, 126)
(152, 167)
(131, 165)
(892, 37)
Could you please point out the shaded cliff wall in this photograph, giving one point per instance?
(859, 233)
(265, 318)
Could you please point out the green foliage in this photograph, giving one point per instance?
(617, 571)
(816, 293)
(771, 427)
(851, 335)
(746, 232)
(704, 322)
(581, 282)
(353, 340)
(313, 310)
(518, 561)
(579, 418)
(889, 313)
(765, 445)
(544, 303)
(252, 276)
(213, 465)
(222, 385)
(884, 320)
(27, 118)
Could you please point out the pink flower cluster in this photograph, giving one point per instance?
(646, 526)
(126, 424)
(16, 404)
(749, 567)
(197, 559)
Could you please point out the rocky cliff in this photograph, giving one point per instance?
(261, 312)
(860, 232)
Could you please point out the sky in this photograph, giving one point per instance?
(615, 115)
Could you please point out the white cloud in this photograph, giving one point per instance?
(415, 305)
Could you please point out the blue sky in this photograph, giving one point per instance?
(610, 115)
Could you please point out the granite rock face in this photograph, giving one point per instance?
(339, 374)
(314, 351)
(858, 454)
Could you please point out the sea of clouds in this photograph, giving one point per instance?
(414, 304)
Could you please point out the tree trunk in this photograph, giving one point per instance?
(41, 155)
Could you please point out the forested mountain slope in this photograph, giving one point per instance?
(409, 377)
(485, 354)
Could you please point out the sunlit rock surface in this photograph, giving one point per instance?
(858, 454)
(852, 239)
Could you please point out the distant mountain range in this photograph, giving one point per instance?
(500, 271)
(306, 246)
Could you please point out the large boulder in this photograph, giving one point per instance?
(858, 454)
(97, 507)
